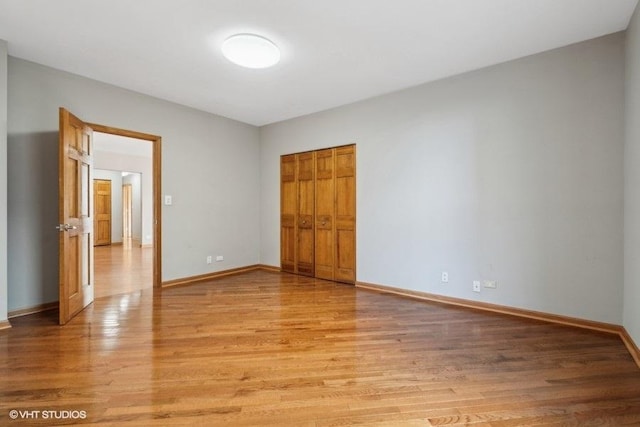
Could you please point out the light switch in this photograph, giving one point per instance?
(168, 200)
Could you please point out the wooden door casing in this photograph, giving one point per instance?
(102, 212)
(75, 191)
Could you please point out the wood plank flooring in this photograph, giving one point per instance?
(122, 268)
(270, 349)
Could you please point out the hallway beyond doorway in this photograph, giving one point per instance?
(122, 268)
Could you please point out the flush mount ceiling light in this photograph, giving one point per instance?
(251, 51)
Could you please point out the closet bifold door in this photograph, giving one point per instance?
(325, 208)
(345, 214)
(306, 207)
(318, 213)
(288, 213)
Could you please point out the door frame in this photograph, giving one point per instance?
(156, 167)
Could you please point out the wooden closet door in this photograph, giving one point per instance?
(345, 214)
(306, 204)
(288, 213)
(325, 207)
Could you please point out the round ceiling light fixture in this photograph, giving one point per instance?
(251, 51)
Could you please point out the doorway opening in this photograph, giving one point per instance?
(131, 258)
(75, 211)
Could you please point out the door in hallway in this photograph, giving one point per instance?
(102, 211)
(126, 211)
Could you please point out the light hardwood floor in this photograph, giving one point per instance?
(270, 349)
(122, 268)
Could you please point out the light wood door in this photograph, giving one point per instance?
(102, 212)
(76, 225)
(345, 214)
(325, 208)
(126, 210)
(288, 213)
(306, 211)
(318, 213)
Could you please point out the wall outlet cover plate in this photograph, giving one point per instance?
(490, 284)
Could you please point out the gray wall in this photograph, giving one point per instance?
(510, 173)
(632, 182)
(210, 166)
(3, 180)
(116, 198)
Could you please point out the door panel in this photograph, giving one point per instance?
(75, 220)
(102, 211)
(345, 259)
(288, 213)
(324, 235)
(306, 203)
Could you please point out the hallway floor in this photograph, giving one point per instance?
(122, 268)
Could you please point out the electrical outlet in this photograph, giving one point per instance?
(445, 277)
(490, 284)
(476, 286)
(209, 259)
(168, 200)
(219, 258)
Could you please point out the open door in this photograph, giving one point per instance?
(76, 225)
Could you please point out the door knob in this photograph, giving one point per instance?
(66, 227)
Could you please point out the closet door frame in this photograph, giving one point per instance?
(301, 227)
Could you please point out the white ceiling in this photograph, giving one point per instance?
(334, 52)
